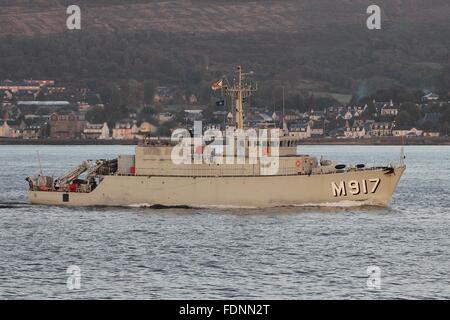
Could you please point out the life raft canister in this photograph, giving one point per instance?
(298, 163)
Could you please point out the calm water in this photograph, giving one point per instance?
(282, 253)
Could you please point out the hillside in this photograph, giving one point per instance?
(319, 46)
(23, 17)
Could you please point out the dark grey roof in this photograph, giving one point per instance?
(43, 103)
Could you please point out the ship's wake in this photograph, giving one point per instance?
(338, 205)
(159, 206)
(13, 205)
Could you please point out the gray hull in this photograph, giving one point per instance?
(372, 187)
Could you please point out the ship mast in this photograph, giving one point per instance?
(240, 90)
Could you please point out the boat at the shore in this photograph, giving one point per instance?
(254, 168)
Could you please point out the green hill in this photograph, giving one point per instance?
(308, 45)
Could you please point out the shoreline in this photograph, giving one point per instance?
(312, 141)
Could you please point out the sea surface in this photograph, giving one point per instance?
(400, 252)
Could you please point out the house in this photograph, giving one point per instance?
(15, 87)
(145, 130)
(430, 97)
(389, 110)
(53, 90)
(292, 116)
(11, 129)
(317, 128)
(406, 132)
(96, 131)
(66, 125)
(431, 134)
(129, 130)
(381, 129)
(164, 94)
(125, 130)
(356, 131)
(300, 130)
(5, 129)
(316, 115)
(32, 132)
(164, 117)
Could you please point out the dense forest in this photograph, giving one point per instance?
(320, 61)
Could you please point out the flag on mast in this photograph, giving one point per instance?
(217, 85)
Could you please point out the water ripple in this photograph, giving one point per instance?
(160, 252)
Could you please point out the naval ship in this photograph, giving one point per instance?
(240, 174)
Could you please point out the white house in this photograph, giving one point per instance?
(389, 110)
(96, 131)
(382, 129)
(355, 132)
(406, 132)
(125, 130)
(5, 130)
(431, 134)
(430, 97)
(300, 130)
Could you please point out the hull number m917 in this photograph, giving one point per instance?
(355, 187)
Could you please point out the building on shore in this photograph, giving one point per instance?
(124, 130)
(356, 131)
(389, 110)
(15, 87)
(11, 129)
(406, 132)
(433, 134)
(32, 133)
(430, 97)
(317, 128)
(66, 125)
(300, 130)
(5, 129)
(129, 130)
(96, 131)
(382, 129)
